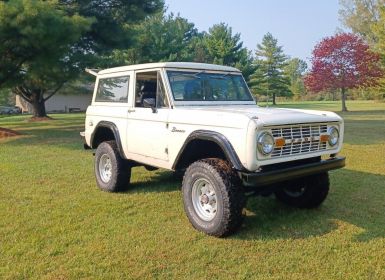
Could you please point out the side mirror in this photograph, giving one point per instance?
(150, 103)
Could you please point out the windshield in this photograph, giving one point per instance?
(201, 86)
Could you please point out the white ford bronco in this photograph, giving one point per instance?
(202, 120)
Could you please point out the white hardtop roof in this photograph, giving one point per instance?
(180, 65)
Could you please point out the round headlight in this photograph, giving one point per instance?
(334, 135)
(265, 143)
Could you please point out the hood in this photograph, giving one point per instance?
(266, 116)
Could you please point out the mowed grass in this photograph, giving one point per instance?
(56, 224)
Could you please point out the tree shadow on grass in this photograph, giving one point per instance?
(378, 113)
(65, 137)
(356, 198)
(51, 132)
(364, 132)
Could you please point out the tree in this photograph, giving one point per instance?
(295, 70)
(48, 43)
(198, 50)
(378, 29)
(224, 48)
(6, 98)
(245, 64)
(114, 26)
(36, 55)
(342, 62)
(269, 76)
(360, 15)
(24, 26)
(366, 18)
(160, 38)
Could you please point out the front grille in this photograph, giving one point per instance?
(299, 139)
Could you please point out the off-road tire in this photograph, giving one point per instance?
(120, 169)
(314, 190)
(229, 193)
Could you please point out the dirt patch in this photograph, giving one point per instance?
(37, 119)
(4, 133)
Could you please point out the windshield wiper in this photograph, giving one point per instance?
(195, 75)
(225, 75)
(220, 76)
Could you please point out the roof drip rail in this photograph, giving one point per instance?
(93, 72)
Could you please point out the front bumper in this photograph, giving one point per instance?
(257, 179)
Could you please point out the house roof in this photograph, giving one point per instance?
(180, 65)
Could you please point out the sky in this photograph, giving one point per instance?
(297, 24)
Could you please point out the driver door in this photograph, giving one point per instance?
(147, 120)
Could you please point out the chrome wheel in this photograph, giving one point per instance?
(105, 168)
(204, 199)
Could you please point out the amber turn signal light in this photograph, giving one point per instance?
(324, 138)
(280, 142)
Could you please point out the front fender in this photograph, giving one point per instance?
(217, 138)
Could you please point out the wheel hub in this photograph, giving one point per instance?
(204, 199)
(105, 168)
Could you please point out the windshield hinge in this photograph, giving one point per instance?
(92, 71)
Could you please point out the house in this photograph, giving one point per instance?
(60, 103)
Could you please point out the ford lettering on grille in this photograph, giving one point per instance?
(299, 139)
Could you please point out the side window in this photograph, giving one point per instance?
(113, 90)
(149, 87)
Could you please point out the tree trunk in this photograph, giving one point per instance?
(343, 99)
(274, 99)
(38, 104)
(35, 97)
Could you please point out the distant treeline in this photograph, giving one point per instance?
(45, 46)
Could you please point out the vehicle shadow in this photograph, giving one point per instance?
(356, 199)
(154, 181)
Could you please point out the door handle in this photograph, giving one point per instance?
(131, 110)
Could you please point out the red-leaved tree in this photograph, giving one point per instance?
(342, 62)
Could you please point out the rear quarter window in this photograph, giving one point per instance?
(113, 90)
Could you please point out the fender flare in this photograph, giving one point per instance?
(114, 130)
(217, 138)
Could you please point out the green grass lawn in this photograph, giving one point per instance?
(56, 224)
